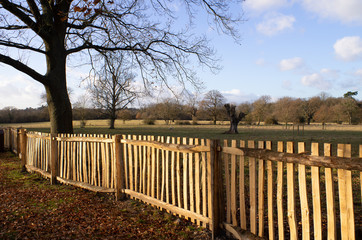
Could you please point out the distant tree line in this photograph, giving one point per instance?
(321, 109)
(41, 114)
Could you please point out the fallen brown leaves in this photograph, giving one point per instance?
(31, 208)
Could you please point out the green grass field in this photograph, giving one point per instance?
(351, 134)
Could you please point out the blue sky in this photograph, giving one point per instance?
(295, 48)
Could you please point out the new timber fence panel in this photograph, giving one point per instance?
(178, 188)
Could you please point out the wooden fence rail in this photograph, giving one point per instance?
(237, 185)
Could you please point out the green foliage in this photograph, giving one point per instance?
(350, 94)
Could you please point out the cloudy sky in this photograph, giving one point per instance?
(296, 48)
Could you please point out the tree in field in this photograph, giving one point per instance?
(261, 107)
(310, 107)
(235, 118)
(146, 31)
(168, 110)
(213, 105)
(125, 114)
(192, 106)
(111, 87)
(288, 110)
(81, 108)
(246, 108)
(329, 111)
(349, 106)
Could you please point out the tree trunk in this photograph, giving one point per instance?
(60, 110)
(59, 106)
(233, 126)
(234, 118)
(111, 123)
(112, 115)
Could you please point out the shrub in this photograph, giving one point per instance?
(149, 121)
(183, 123)
(271, 121)
(83, 123)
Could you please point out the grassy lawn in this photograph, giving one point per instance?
(333, 134)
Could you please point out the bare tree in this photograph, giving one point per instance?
(192, 106)
(261, 108)
(57, 29)
(213, 104)
(168, 110)
(288, 110)
(111, 86)
(81, 106)
(310, 107)
(349, 108)
(125, 114)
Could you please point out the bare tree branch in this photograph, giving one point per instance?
(23, 68)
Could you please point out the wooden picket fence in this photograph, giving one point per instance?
(11, 139)
(236, 185)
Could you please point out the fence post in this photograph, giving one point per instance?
(10, 140)
(18, 147)
(2, 140)
(118, 157)
(53, 158)
(23, 143)
(218, 203)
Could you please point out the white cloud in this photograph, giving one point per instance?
(264, 5)
(275, 23)
(330, 73)
(291, 63)
(349, 48)
(236, 96)
(321, 81)
(343, 10)
(19, 91)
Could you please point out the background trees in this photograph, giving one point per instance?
(283, 111)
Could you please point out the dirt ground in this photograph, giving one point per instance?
(31, 208)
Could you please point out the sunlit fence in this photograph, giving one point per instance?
(241, 186)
